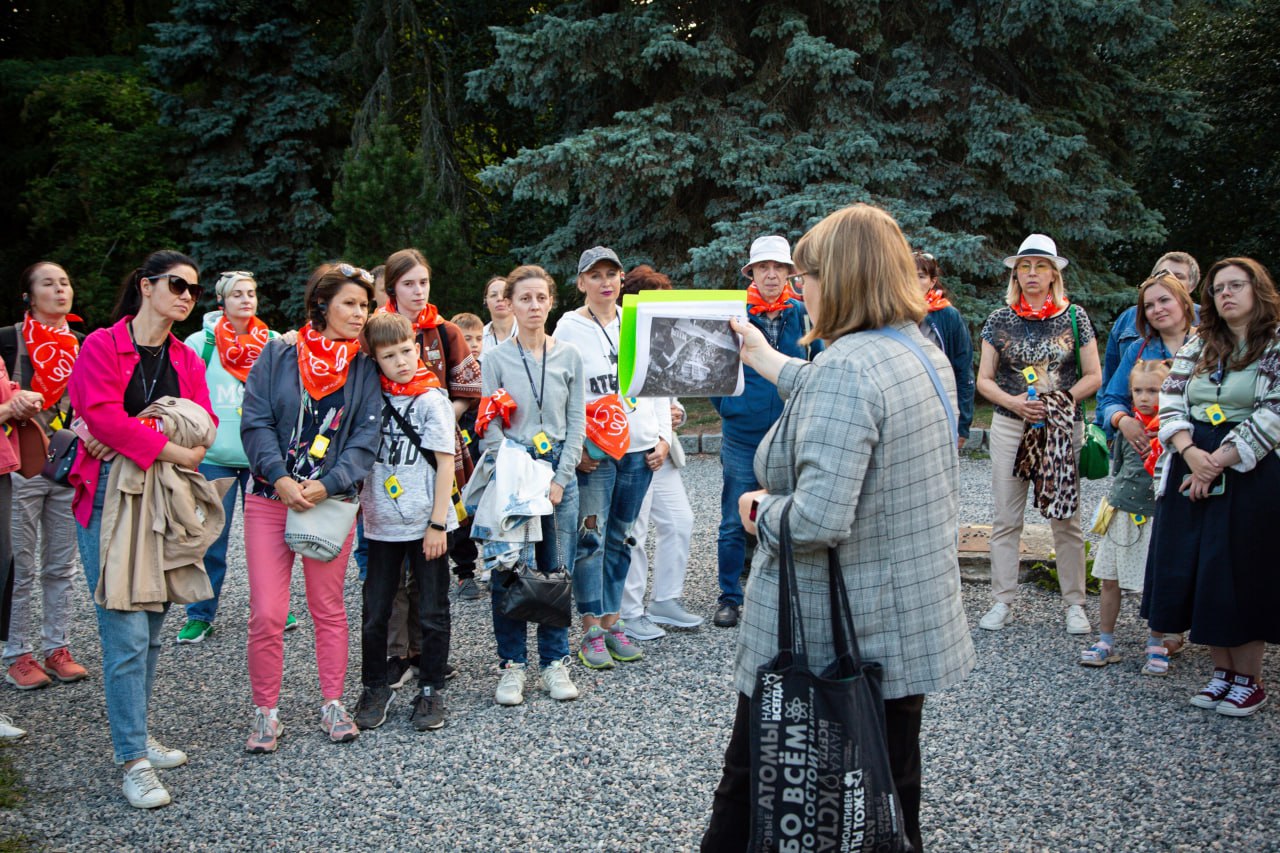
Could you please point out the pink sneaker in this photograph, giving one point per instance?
(337, 723)
(1245, 697)
(267, 729)
(25, 674)
(62, 666)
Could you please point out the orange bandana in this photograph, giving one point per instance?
(238, 352)
(422, 381)
(1024, 310)
(322, 363)
(1150, 424)
(607, 425)
(428, 318)
(935, 301)
(757, 305)
(53, 351)
(499, 405)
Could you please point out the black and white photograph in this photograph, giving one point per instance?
(689, 356)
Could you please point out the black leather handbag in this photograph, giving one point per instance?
(532, 595)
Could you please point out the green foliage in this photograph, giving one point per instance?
(383, 201)
(688, 128)
(249, 97)
(104, 201)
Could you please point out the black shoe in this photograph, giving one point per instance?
(399, 671)
(371, 710)
(727, 615)
(468, 590)
(428, 710)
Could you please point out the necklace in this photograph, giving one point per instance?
(538, 395)
(156, 354)
(613, 349)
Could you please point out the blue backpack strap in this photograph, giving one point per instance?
(890, 332)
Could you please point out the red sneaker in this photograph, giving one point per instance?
(62, 666)
(1244, 698)
(1215, 691)
(25, 674)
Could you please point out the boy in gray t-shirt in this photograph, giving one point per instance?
(407, 516)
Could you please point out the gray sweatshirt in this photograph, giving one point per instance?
(563, 415)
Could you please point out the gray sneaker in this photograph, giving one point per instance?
(671, 612)
(641, 628)
(620, 645)
(593, 653)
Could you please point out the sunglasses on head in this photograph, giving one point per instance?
(179, 285)
(348, 271)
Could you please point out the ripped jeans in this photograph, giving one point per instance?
(610, 498)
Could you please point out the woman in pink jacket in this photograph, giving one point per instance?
(121, 370)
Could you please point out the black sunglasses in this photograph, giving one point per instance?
(179, 285)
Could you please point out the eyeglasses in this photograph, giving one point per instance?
(1029, 266)
(179, 285)
(796, 283)
(1233, 286)
(348, 271)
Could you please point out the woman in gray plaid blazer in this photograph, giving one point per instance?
(865, 458)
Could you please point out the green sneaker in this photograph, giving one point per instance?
(194, 632)
(291, 624)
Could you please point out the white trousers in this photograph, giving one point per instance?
(667, 504)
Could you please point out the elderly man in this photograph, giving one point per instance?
(774, 309)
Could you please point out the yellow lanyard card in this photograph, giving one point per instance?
(1029, 374)
(319, 447)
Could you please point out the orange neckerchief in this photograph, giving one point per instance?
(935, 301)
(607, 425)
(422, 381)
(1150, 424)
(238, 352)
(322, 363)
(428, 318)
(497, 405)
(757, 305)
(53, 351)
(1024, 310)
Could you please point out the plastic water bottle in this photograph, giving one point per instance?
(1031, 398)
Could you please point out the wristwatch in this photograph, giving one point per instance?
(435, 525)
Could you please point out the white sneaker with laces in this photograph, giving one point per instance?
(997, 617)
(642, 628)
(555, 678)
(162, 757)
(142, 787)
(1077, 621)
(8, 731)
(511, 686)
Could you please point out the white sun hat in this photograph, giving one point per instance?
(1037, 246)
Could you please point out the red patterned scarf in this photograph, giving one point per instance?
(422, 381)
(935, 301)
(1024, 310)
(323, 363)
(757, 305)
(428, 318)
(1149, 425)
(238, 352)
(498, 405)
(607, 425)
(53, 351)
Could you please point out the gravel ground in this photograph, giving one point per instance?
(1032, 752)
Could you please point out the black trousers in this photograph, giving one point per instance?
(730, 828)
(463, 550)
(431, 583)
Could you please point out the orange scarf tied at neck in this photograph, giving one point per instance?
(935, 301)
(1150, 424)
(53, 351)
(423, 380)
(757, 305)
(322, 363)
(428, 318)
(1024, 310)
(498, 405)
(238, 352)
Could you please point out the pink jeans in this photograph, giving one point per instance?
(270, 569)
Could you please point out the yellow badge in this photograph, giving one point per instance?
(1215, 413)
(56, 423)
(1138, 518)
(466, 437)
(542, 443)
(319, 447)
(1029, 374)
(393, 487)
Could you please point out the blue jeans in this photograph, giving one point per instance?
(361, 551)
(613, 494)
(215, 559)
(737, 460)
(130, 647)
(556, 550)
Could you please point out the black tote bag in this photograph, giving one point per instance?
(532, 595)
(820, 774)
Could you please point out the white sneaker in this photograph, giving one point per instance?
(997, 617)
(511, 686)
(642, 628)
(8, 731)
(162, 757)
(555, 678)
(142, 787)
(672, 612)
(1077, 622)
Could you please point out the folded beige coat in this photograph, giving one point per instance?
(158, 523)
